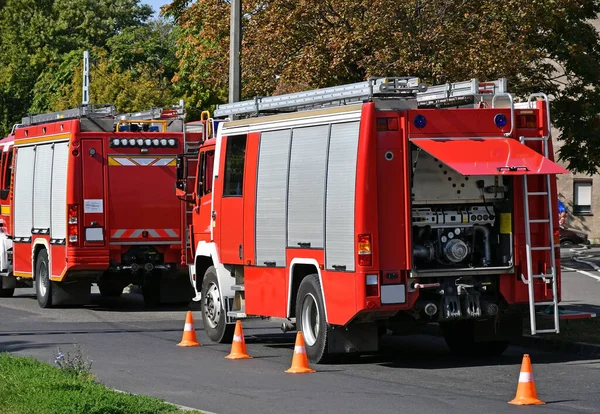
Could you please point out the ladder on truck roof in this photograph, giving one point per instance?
(82, 111)
(393, 87)
(549, 276)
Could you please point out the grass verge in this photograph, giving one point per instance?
(28, 386)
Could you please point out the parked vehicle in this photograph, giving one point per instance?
(367, 206)
(92, 201)
(571, 237)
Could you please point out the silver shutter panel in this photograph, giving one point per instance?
(341, 188)
(41, 187)
(271, 197)
(59, 191)
(24, 192)
(307, 186)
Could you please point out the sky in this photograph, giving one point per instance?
(156, 4)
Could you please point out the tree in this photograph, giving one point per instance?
(37, 37)
(546, 45)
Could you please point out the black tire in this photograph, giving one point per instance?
(151, 290)
(213, 311)
(310, 319)
(7, 293)
(567, 243)
(43, 285)
(110, 289)
(459, 338)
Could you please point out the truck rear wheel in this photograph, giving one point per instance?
(310, 319)
(213, 311)
(43, 285)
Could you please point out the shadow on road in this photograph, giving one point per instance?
(16, 346)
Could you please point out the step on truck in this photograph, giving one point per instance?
(87, 197)
(369, 207)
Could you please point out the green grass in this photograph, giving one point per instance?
(28, 386)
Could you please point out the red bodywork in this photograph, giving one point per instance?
(383, 207)
(127, 191)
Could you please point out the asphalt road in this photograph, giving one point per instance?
(135, 350)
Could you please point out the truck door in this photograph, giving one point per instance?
(201, 214)
(229, 218)
(93, 191)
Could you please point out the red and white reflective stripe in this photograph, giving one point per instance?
(188, 327)
(237, 338)
(299, 350)
(139, 234)
(526, 377)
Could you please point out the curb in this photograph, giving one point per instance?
(181, 407)
(581, 349)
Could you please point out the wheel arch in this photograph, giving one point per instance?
(207, 255)
(299, 269)
(38, 246)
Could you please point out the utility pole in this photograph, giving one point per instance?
(234, 51)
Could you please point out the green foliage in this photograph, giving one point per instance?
(28, 386)
(539, 45)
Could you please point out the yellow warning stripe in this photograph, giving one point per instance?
(5, 210)
(35, 140)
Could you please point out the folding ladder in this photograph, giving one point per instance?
(550, 275)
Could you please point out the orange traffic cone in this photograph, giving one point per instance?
(238, 346)
(189, 333)
(526, 394)
(300, 360)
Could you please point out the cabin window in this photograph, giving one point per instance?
(207, 160)
(6, 172)
(234, 165)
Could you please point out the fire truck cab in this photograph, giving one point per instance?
(374, 206)
(88, 198)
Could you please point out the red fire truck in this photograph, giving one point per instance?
(374, 205)
(92, 201)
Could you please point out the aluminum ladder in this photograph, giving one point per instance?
(551, 272)
(392, 87)
(88, 111)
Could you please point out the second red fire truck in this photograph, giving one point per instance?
(87, 197)
(371, 206)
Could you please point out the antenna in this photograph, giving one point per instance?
(86, 78)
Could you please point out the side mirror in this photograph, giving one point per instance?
(4, 194)
(181, 182)
(181, 167)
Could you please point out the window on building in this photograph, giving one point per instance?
(234, 165)
(582, 197)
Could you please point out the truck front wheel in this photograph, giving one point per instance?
(43, 285)
(213, 311)
(310, 319)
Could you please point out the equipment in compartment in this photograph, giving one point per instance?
(453, 236)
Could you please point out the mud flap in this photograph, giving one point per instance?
(504, 328)
(71, 293)
(356, 337)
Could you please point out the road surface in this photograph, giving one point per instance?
(135, 350)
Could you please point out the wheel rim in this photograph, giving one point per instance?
(43, 279)
(310, 319)
(212, 305)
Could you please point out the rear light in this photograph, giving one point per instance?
(365, 255)
(73, 224)
(557, 237)
(526, 121)
(372, 282)
(387, 124)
